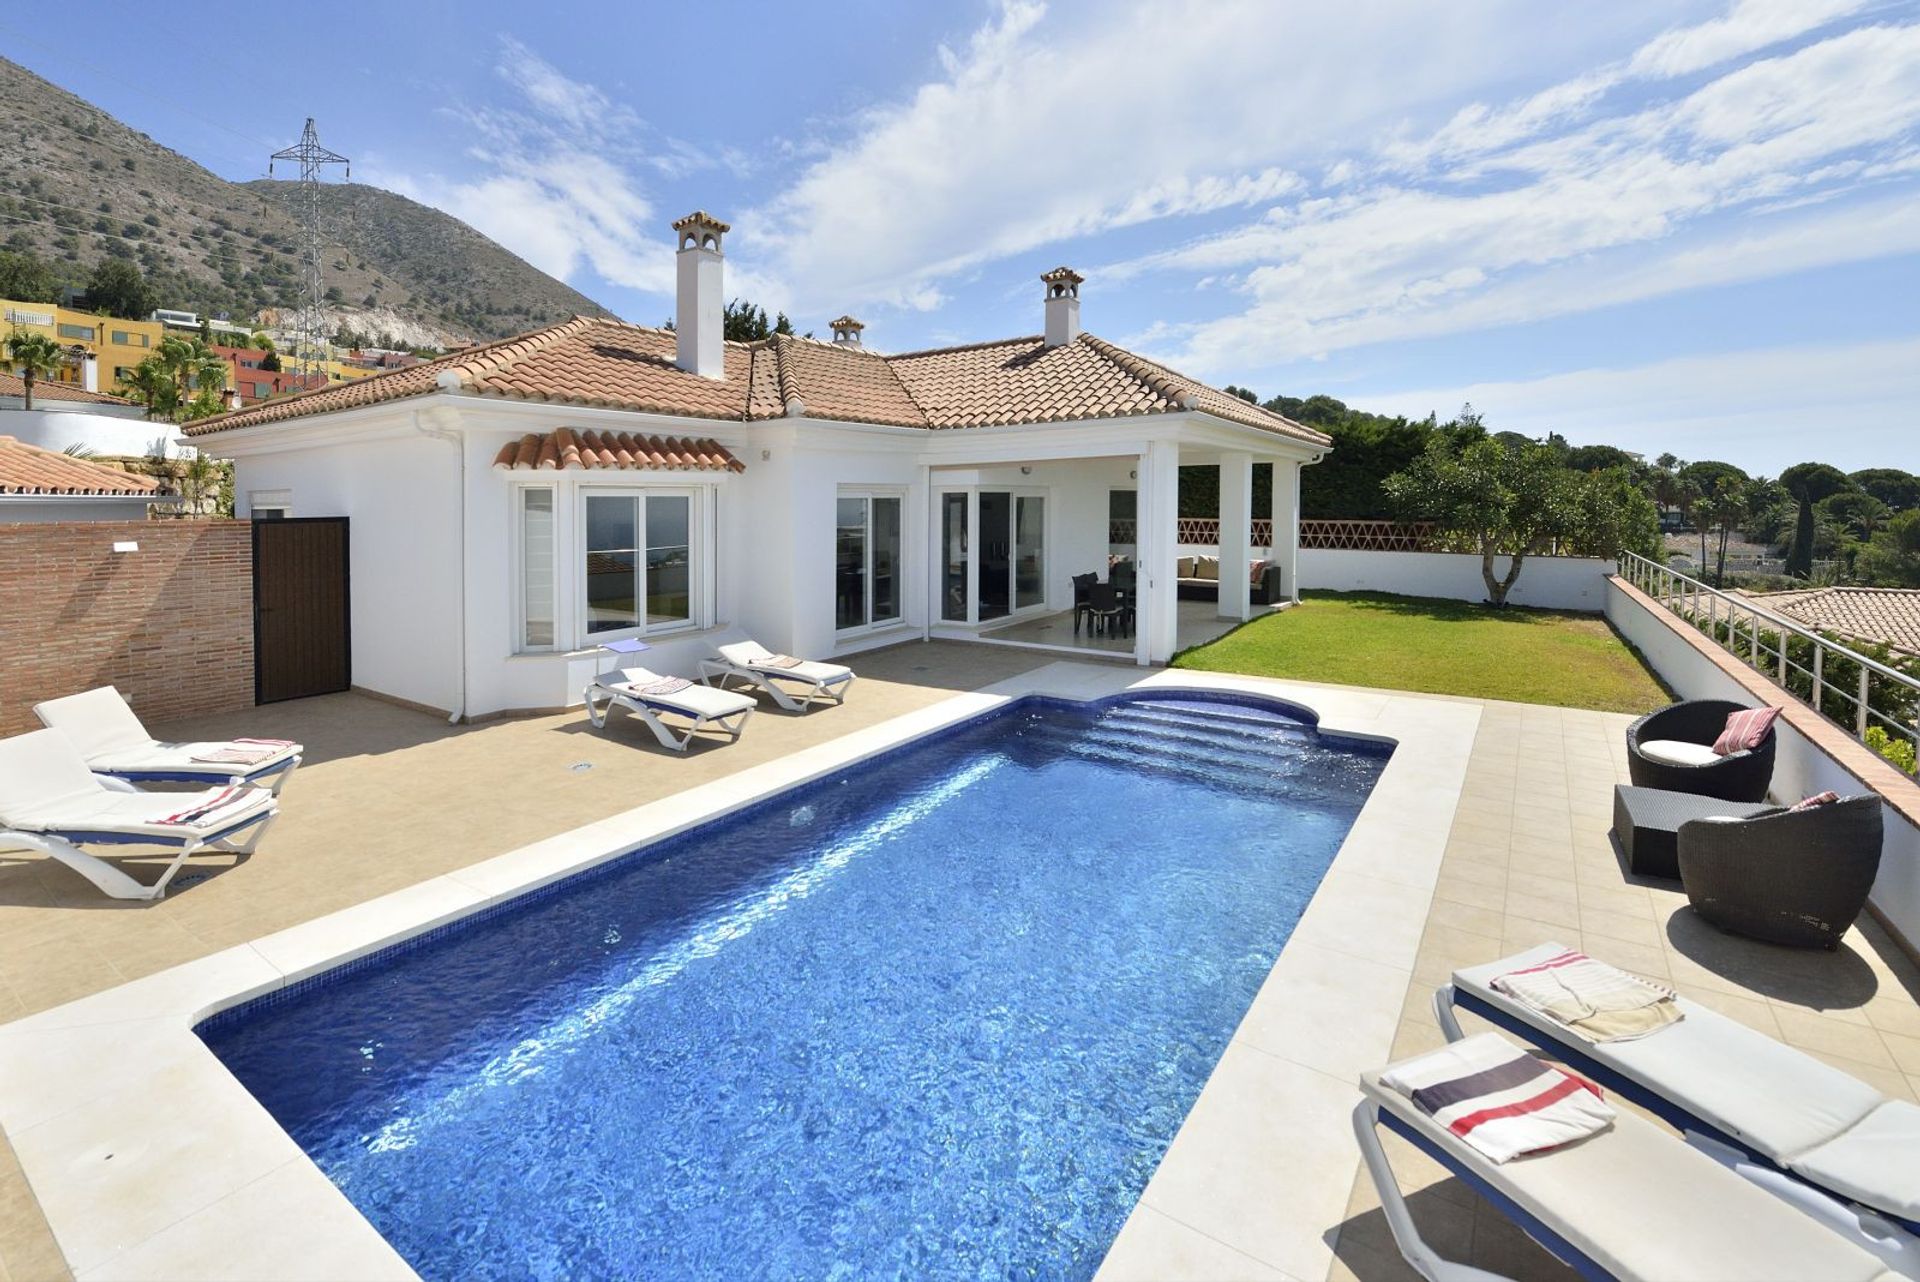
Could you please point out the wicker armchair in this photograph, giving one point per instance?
(1795, 877)
(1739, 776)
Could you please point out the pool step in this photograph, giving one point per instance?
(1265, 737)
(1212, 716)
(1226, 763)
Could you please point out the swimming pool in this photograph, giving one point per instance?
(936, 1015)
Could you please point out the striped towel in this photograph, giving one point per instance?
(1598, 1001)
(217, 808)
(1500, 1100)
(666, 685)
(237, 755)
(778, 661)
(275, 744)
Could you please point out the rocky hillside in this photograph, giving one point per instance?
(76, 185)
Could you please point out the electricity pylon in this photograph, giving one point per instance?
(311, 325)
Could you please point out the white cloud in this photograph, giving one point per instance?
(1765, 409)
(1543, 227)
(1048, 127)
(1750, 26)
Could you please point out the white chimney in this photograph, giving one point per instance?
(697, 320)
(1063, 305)
(90, 371)
(846, 332)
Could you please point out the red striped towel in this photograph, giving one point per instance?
(1500, 1100)
(666, 685)
(267, 743)
(213, 809)
(1600, 1002)
(234, 755)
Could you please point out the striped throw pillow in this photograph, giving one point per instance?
(1746, 730)
(1816, 801)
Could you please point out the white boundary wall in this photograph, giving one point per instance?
(1547, 582)
(1800, 768)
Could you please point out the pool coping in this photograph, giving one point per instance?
(150, 1160)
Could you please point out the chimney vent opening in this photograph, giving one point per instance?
(846, 331)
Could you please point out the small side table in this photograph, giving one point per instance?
(1646, 822)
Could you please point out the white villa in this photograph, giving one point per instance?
(514, 505)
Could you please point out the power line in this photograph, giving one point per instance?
(313, 158)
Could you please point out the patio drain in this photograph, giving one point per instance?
(579, 766)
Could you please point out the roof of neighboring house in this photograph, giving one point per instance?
(564, 448)
(45, 389)
(593, 361)
(1887, 615)
(28, 469)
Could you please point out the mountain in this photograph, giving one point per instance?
(76, 185)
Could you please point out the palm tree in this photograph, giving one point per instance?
(36, 355)
(152, 384)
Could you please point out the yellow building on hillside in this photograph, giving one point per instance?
(115, 344)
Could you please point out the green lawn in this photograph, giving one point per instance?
(1439, 647)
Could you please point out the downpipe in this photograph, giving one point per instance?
(459, 445)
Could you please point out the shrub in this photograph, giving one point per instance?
(1899, 751)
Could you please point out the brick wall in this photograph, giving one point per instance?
(170, 625)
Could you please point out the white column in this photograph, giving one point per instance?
(1159, 607)
(1286, 523)
(1236, 539)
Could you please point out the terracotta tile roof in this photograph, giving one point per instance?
(565, 448)
(1887, 615)
(48, 390)
(28, 469)
(603, 363)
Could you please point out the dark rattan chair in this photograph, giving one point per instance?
(1795, 877)
(1081, 583)
(1739, 776)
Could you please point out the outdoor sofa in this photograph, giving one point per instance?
(1197, 578)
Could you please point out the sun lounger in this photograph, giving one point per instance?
(1630, 1202)
(795, 684)
(1806, 1131)
(650, 696)
(51, 802)
(113, 742)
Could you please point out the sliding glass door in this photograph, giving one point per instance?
(866, 560)
(993, 554)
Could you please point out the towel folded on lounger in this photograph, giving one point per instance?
(1499, 1099)
(241, 752)
(1597, 1001)
(779, 661)
(216, 808)
(668, 685)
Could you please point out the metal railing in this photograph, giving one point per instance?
(1822, 673)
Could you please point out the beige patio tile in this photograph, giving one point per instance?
(1630, 928)
(1522, 933)
(1757, 1015)
(1810, 1031)
(1543, 886)
(1628, 901)
(1904, 1050)
(1894, 1015)
(1654, 963)
(1554, 911)
(1470, 892)
(1466, 917)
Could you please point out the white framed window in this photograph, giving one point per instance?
(643, 558)
(269, 505)
(537, 596)
(868, 562)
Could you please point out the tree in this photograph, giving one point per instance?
(1593, 458)
(1856, 512)
(118, 288)
(1891, 557)
(27, 279)
(1899, 490)
(1725, 509)
(36, 357)
(152, 384)
(744, 322)
(1502, 498)
(1710, 490)
(271, 361)
(1808, 483)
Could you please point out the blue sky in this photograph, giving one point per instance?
(1668, 226)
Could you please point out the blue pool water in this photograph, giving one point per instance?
(938, 1016)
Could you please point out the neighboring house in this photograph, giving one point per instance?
(44, 485)
(1887, 616)
(99, 347)
(517, 503)
(65, 417)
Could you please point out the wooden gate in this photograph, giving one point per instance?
(301, 640)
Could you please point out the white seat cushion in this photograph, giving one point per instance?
(1645, 1206)
(97, 721)
(1781, 1101)
(1677, 752)
(1876, 1162)
(696, 699)
(179, 759)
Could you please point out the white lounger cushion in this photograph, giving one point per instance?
(46, 787)
(1645, 1206)
(751, 654)
(109, 736)
(697, 699)
(1877, 1161)
(1764, 1093)
(1677, 752)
